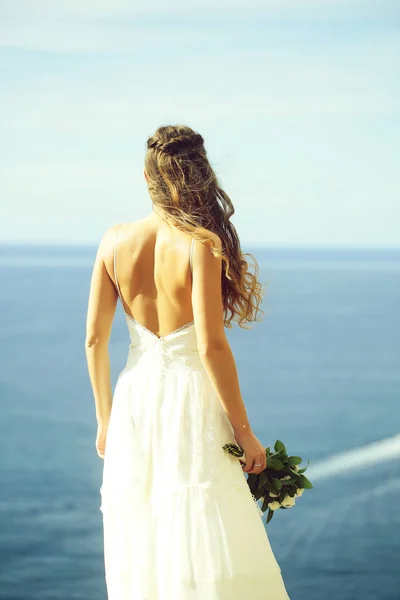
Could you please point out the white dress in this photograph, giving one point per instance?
(179, 520)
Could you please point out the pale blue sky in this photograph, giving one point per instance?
(298, 102)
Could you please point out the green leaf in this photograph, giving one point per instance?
(262, 478)
(270, 515)
(277, 483)
(302, 470)
(287, 470)
(252, 482)
(279, 446)
(264, 506)
(306, 483)
(289, 481)
(269, 484)
(294, 460)
(270, 472)
(275, 464)
(282, 456)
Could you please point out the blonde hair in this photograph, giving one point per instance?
(182, 183)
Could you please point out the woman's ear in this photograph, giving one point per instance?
(145, 175)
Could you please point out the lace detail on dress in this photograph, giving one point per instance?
(159, 337)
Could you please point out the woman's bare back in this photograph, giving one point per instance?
(152, 263)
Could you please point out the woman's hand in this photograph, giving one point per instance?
(101, 439)
(254, 450)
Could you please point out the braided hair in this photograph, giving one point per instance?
(177, 145)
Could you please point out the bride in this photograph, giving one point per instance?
(178, 517)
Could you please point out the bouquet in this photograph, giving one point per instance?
(280, 483)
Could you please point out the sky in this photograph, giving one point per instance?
(298, 102)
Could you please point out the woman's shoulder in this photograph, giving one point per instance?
(119, 236)
(123, 230)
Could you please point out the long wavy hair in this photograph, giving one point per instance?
(182, 183)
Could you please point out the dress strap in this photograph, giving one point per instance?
(115, 263)
(191, 256)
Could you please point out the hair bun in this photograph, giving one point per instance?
(178, 144)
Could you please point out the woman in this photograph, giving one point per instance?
(179, 520)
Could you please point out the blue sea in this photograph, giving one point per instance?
(321, 372)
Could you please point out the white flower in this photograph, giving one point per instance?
(296, 468)
(274, 505)
(288, 501)
(286, 477)
(299, 491)
(273, 495)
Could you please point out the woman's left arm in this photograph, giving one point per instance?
(102, 304)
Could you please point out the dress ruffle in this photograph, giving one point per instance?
(204, 538)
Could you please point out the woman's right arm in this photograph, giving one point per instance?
(215, 351)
